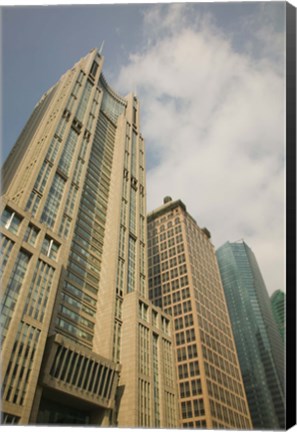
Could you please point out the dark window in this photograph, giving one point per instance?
(94, 69)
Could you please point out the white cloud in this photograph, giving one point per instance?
(214, 117)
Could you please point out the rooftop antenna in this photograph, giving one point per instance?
(101, 47)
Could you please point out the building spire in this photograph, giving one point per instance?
(101, 47)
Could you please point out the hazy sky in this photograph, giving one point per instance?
(210, 79)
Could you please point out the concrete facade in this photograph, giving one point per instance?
(74, 264)
(184, 281)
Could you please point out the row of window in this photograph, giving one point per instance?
(194, 408)
(189, 369)
(220, 393)
(212, 316)
(221, 378)
(165, 265)
(6, 246)
(185, 337)
(153, 241)
(153, 231)
(164, 255)
(198, 424)
(190, 388)
(228, 416)
(17, 375)
(177, 296)
(165, 245)
(86, 249)
(186, 353)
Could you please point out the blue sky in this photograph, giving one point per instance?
(210, 79)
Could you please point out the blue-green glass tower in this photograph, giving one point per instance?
(258, 342)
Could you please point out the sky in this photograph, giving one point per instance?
(210, 79)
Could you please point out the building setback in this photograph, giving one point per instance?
(184, 280)
(259, 345)
(81, 342)
(278, 303)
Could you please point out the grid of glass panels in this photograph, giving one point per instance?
(259, 346)
(6, 246)
(12, 290)
(83, 270)
(53, 201)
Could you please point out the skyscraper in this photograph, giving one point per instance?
(259, 346)
(81, 342)
(278, 303)
(184, 280)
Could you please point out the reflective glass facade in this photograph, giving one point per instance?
(259, 346)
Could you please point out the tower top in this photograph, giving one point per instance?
(101, 47)
(167, 199)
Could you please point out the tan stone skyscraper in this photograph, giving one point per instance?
(81, 342)
(184, 280)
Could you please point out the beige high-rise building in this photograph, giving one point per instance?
(81, 342)
(184, 280)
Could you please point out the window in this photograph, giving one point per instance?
(11, 220)
(178, 323)
(175, 284)
(134, 115)
(171, 242)
(143, 310)
(165, 325)
(180, 338)
(196, 387)
(31, 234)
(131, 265)
(180, 248)
(176, 297)
(184, 281)
(50, 248)
(198, 407)
(194, 368)
(183, 371)
(54, 199)
(184, 389)
(13, 288)
(177, 309)
(6, 246)
(84, 101)
(181, 354)
(68, 151)
(170, 233)
(164, 266)
(187, 306)
(192, 351)
(173, 262)
(188, 320)
(155, 318)
(94, 69)
(186, 409)
(190, 335)
(173, 273)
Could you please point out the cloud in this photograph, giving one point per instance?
(213, 121)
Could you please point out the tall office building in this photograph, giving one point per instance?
(81, 342)
(259, 346)
(184, 280)
(278, 304)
